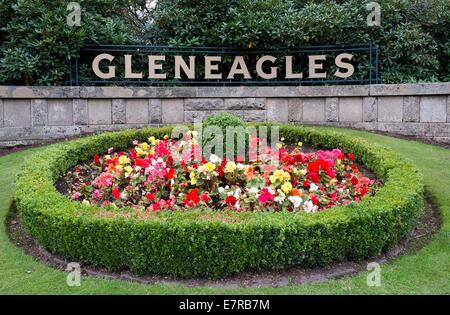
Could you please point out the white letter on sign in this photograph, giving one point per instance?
(128, 71)
(314, 66)
(153, 66)
(259, 69)
(111, 70)
(289, 69)
(344, 65)
(239, 67)
(209, 67)
(181, 64)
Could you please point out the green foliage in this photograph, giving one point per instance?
(222, 121)
(38, 43)
(197, 243)
(413, 36)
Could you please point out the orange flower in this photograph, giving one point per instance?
(296, 192)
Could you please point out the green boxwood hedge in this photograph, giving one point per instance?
(185, 244)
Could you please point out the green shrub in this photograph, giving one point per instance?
(221, 121)
(37, 43)
(414, 36)
(198, 242)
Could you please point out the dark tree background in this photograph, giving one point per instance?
(36, 43)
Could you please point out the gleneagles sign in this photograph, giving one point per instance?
(185, 67)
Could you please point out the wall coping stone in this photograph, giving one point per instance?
(225, 92)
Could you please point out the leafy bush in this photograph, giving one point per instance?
(216, 244)
(413, 37)
(38, 43)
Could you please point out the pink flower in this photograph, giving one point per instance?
(265, 195)
(76, 195)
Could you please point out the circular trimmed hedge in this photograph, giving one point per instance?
(210, 244)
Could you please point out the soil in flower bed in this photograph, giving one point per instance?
(168, 175)
(428, 224)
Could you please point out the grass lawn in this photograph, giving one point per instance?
(424, 272)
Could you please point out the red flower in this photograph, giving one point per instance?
(205, 197)
(154, 207)
(354, 180)
(150, 196)
(116, 193)
(363, 191)
(170, 173)
(314, 199)
(265, 196)
(192, 198)
(313, 167)
(314, 177)
(230, 200)
(97, 159)
(351, 156)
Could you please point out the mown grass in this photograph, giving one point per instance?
(426, 271)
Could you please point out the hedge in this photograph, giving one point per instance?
(198, 243)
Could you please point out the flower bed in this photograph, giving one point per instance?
(206, 243)
(154, 176)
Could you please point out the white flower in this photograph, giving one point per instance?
(237, 192)
(280, 198)
(214, 159)
(221, 190)
(296, 201)
(240, 166)
(309, 207)
(313, 187)
(253, 190)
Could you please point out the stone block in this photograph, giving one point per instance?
(254, 115)
(196, 104)
(390, 109)
(1, 113)
(332, 109)
(137, 111)
(80, 111)
(119, 111)
(251, 103)
(410, 89)
(332, 91)
(172, 111)
(433, 109)
(39, 112)
(295, 109)
(199, 116)
(411, 108)
(155, 110)
(314, 109)
(277, 109)
(351, 109)
(58, 132)
(99, 112)
(60, 112)
(17, 113)
(448, 108)
(370, 109)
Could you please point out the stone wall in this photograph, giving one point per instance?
(33, 114)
